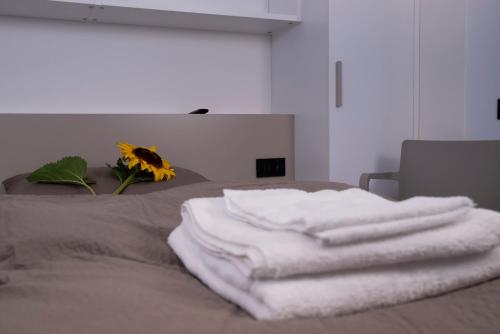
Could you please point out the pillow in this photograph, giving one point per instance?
(106, 184)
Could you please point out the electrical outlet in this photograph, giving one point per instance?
(274, 167)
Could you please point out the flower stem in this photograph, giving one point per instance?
(128, 181)
(89, 188)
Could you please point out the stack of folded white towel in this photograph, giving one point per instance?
(287, 253)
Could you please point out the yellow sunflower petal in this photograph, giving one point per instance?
(157, 175)
(166, 164)
(168, 174)
(126, 150)
(133, 162)
(153, 148)
(145, 166)
(125, 146)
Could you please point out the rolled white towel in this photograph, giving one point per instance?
(259, 253)
(333, 294)
(321, 213)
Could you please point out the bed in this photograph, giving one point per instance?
(78, 264)
(73, 263)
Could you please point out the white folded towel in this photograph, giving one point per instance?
(259, 253)
(330, 295)
(337, 217)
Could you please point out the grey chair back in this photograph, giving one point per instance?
(449, 168)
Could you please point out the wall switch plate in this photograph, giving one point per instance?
(274, 167)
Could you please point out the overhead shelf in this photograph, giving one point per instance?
(134, 13)
(193, 20)
(61, 10)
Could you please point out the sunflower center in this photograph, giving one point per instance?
(150, 157)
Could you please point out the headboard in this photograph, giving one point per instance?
(221, 147)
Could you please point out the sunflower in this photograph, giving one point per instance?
(148, 160)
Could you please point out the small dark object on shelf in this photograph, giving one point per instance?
(199, 112)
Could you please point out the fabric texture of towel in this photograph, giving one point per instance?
(327, 295)
(339, 217)
(259, 253)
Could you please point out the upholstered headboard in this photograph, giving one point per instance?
(221, 147)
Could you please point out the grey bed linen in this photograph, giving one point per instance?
(79, 264)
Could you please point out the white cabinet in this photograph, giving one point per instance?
(255, 16)
(374, 41)
(460, 69)
(299, 85)
(412, 69)
(482, 104)
(442, 63)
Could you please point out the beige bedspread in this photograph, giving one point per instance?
(100, 265)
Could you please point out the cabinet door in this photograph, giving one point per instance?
(374, 40)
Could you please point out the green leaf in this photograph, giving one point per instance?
(139, 179)
(122, 173)
(68, 170)
(128, 176)
(120, 170)
(143, 176)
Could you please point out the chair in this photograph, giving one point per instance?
(447, 168)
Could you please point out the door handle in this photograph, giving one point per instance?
(338, 84)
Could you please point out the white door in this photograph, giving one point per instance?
(374, 40)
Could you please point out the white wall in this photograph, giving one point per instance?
(65, 67)
(442, 64)
(291, 7)
(483, 69)
(300, 86)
